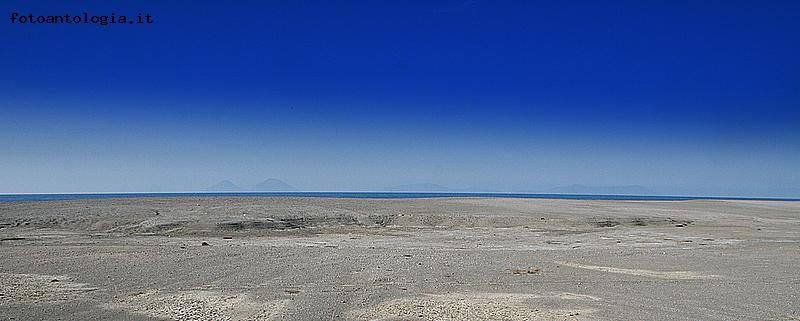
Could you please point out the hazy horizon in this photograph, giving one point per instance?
(682, 98)
(576, 189)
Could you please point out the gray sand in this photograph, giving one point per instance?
(399, 259)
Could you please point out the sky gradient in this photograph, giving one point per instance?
(682, 97)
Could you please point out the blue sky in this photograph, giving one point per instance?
(678, 96)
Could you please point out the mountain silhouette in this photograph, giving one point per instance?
(224, 186)
(613, 190)
(273, 185)
(421, 187)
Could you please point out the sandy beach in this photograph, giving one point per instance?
(294, 258)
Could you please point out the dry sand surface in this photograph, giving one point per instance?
(273, 258)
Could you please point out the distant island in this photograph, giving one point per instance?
(273, 185)
(421, 187)
(277, 185)
(611, 190)
(268, 185)
(224, 186)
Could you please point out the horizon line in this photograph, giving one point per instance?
(795, 198)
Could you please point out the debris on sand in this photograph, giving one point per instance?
(478, 306)
(201, 305)
(205, 243)
(33, 288)
(227, 237)
(292, 291)
(526, 271)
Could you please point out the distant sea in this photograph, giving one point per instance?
(55, 197)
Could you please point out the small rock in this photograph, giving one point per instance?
(227, 237)
(526, 271)
(205, 244)
(54, 280)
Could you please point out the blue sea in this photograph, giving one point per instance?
(54, 197)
